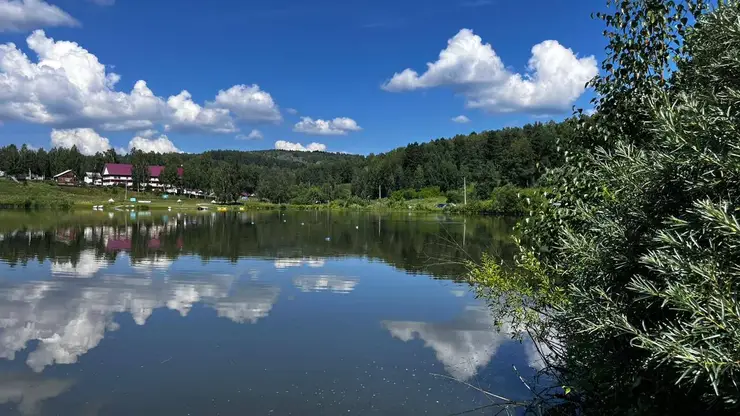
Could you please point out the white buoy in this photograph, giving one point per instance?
(357, 227)
(252, 222)
(328, 239)
(285, 221)
(303, 224)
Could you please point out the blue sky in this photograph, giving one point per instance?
(247, 65)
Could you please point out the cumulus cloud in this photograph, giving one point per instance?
(292, 111)
(188, 115)
(161, 144)
(555, 76)
(248, 103)
(147, 134)
(68, 87)
(88, 142)
(22, 15)
(311, 147)
(340, 126)
(253, 135)
(461, 119)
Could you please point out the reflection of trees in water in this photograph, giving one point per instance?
(436, 246)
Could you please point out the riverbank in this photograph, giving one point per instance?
(44, 195)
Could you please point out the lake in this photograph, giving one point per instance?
(265, 313)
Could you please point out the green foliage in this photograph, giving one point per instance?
(454, 197)
(170, 177)
(308, 196)
(639, 238)
(139, 171)
(225, 182)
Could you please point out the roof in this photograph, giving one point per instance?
(123, 169)
(63, 173)
(118, 169)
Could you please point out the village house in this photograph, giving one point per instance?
(93, 178)
(66, 178)
(120, 174)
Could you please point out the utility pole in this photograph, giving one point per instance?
(465, 192)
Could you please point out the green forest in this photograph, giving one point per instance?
(511, 158)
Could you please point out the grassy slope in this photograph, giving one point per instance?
(47, 195)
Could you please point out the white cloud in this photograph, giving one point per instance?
(461, 119)
(68, 87)
(340, 126)
(311, 147)
(88, 142)
(248, 103)
(22, 15)
(253, 135)
(147, 134)
(104, 2)
(188, 115)
(161, 144)
(555, 76)
(292, 111)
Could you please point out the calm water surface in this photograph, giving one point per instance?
(249, 314)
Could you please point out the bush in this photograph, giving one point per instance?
(630, 272)
(454, 197)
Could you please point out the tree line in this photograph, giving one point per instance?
(515, 156)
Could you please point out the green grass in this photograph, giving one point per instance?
(46, 195)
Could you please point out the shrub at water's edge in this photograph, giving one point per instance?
(629, 273)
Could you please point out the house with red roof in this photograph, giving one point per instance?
(121, 174)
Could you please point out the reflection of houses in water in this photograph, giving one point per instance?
(66, 235)
(116, 244)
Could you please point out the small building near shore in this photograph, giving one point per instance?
(66, 178)
(93, 178)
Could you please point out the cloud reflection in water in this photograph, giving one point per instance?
(69, 317)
